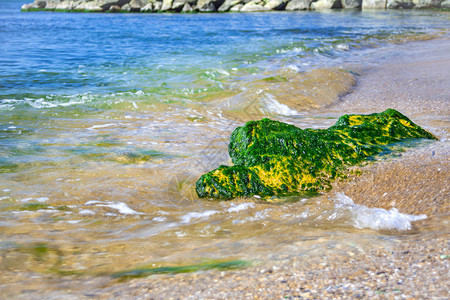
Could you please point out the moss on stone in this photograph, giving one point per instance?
(275, 158)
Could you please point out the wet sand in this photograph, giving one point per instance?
(414, 265)
(418, 86)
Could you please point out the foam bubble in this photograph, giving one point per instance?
(344, 47)
(293, 68)
(159, 219)
(278, 108)
(100, 126)
(87, 212)
(121, 207)
(73, 221)
(39, 199)
(197, 215)
(243, 206)
(374, 218)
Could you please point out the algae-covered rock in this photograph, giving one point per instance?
(275, 158)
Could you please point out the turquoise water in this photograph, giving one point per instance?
(107, 120)
(69, 54)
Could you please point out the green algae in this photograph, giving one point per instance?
(144, 271)
(33, 206)
(275, 158)
(274, 79)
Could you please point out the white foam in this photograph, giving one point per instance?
(243, 206)
(87, 212)
(223, 72)
(278, 108)
(293, 68)
(121, 207)
(159, 219)
(259, 215)
(375, 218)
(91, 202)
(197, 215)
(343, 47)
(74, 221)
(101, 126)
(41, 103)
(39, 199)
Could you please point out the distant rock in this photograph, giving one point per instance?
(400, 4)
(276, 4)
(430, 3)
(187, 8)
(298, 5)
(209, 5)
(374, 4)
(255, 5)
(351, 3)
(224, 5)
(326, 4)
(237, 7)
(228, 4)
(178, 5)
(166, 5)
(157, 6)
(147, 8)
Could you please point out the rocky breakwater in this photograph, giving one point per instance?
(274, 158)
(223, 5)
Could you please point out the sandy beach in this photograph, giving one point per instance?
(410, 265)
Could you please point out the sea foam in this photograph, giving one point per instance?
(278, 108)
(374, 218)
(121, 207)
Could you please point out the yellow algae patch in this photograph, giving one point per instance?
(355, 120)
(405, 123)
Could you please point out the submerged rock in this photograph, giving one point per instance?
(275, 158)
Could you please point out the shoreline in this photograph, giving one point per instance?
(405, 265)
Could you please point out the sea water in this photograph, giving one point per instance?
(107, 121)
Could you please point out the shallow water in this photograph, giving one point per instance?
(107, 121)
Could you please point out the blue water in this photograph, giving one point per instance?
(61, 53)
